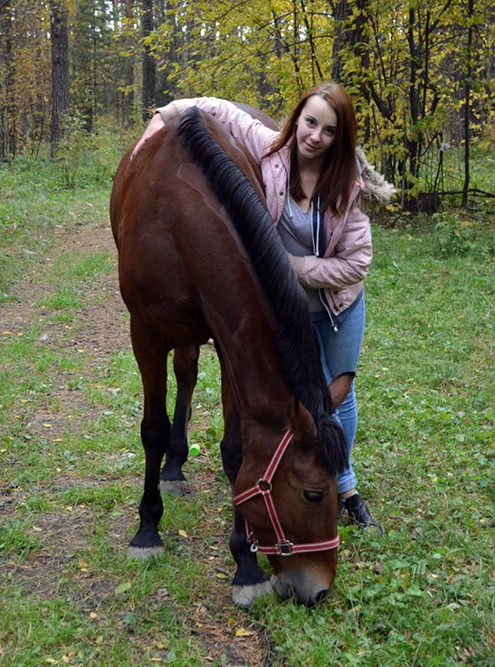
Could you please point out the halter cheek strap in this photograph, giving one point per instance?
(263, 487)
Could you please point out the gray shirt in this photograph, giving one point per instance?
(294, 229)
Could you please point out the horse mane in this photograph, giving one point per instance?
(295, 338)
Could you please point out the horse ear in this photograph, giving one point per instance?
(301, 422)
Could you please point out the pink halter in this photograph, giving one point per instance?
(283, 547)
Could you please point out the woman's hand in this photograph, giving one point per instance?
(156, 124)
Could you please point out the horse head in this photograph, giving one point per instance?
(291, 509)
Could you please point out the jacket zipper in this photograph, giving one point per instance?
(318, 244)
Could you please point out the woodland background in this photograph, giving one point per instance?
(78, 81)
(420, 73)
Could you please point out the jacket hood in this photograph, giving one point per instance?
(375, 190)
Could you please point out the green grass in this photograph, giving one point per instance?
(72, 468)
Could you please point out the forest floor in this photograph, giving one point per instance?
(100, 332)
(72, 465)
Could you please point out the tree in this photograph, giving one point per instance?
(60, 71)
(149, 65)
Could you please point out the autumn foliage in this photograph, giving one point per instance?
(418, 71)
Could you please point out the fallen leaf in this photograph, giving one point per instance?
(182, 533)
(241, 632)
(122, 588)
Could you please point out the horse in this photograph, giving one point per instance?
(199, 258)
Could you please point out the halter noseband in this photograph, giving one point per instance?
(283, 547)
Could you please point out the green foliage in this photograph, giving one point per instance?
(88, 159)
(456, 236)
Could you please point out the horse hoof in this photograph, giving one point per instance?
(176, 487)
(246, 596)
(144, 553)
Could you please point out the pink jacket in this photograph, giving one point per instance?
(348, 252)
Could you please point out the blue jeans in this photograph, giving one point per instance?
(339, 354)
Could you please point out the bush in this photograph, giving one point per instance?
(87, 159)
(454, 236)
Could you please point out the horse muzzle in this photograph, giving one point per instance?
(306, 589)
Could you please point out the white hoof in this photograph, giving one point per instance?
(175, 487)
(246, 596)
(144, 554)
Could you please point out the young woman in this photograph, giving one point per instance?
(313, 181)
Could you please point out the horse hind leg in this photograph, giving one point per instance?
(155, 432)
(172, 478)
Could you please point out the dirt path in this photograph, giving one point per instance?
(100, 331)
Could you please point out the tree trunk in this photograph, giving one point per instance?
(350, 39)
(149, 65)
(60, 71)
(467, 103)
(351, 36)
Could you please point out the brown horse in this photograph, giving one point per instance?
(199, 257)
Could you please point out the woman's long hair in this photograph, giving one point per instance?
(339, 168)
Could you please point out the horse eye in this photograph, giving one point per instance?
(313, 496)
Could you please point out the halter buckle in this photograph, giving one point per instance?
(264, 486)
(284, 548)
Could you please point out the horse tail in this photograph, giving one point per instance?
(295, 339)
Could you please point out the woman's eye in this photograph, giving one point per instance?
(313, 496)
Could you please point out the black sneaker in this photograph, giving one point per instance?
(359, 513)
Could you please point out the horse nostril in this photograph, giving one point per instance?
(322, 595)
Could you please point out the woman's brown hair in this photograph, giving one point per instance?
(339, 168)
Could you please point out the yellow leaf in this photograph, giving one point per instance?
(241, 632)
(182, 533)
(47, 425)
(123, 588)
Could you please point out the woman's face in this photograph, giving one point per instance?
(315, 131)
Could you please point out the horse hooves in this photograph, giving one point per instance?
(246, 596)
(176, 487)
(144, 553)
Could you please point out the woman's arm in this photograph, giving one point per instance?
(350, 263)
(250, 133)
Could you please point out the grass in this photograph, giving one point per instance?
(72, 465)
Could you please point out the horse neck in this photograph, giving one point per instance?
(251, 363)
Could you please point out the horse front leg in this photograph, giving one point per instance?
(155, 432)
(250, 581)
(172, 478)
